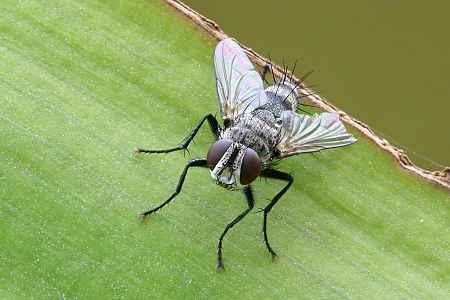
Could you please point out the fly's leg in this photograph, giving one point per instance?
(274, 174)
(213, 124)
(250, 202)
(193, 163)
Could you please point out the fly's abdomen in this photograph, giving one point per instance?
(285, 92)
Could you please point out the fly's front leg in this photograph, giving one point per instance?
(213, 124)
(270, 173)
(193, 163)
(251, 203)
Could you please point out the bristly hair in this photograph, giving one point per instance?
(293, 70)
(271, 69)
(263, 74)
(307, 105)
(283, 79)
(273, 162)
(230, 187)
(285, 72)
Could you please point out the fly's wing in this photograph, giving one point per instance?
(239, 85)
(303, 133)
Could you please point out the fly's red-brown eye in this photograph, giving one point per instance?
(251, 166)
(216, 151)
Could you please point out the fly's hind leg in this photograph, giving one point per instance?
(274, 174)
(193, 163)
(213, 124)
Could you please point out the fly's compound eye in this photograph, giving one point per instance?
(216, 151)
(251, 166)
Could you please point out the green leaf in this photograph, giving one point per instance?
(82, 83)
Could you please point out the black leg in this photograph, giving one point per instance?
(213, 124)
(193, 163)
(250, 202)
(270, 173)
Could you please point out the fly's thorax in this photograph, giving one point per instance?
(259, 131)
(285, 92)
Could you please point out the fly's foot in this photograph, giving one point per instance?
(271, 251)
(186, 150)
(142, 216)
(274, 254)
(136, 151)
(220, 266)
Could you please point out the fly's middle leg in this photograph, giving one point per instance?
(213, 124)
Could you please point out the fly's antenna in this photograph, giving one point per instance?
(230, 171)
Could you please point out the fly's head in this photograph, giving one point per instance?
(232, 164)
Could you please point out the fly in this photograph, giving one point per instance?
(260, 127)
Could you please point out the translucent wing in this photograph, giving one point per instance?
(303, 133)
(239, 85)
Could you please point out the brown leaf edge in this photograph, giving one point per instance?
(441, 178)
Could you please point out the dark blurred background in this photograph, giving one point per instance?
(385, 62)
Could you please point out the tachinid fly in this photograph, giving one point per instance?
(260, 127)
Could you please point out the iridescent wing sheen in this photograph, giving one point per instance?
(239, 85)
(303, 133)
